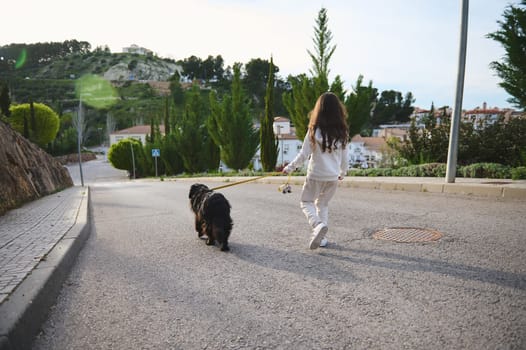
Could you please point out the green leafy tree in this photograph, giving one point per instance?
(427, 145)
(43, 129)
(512, 68)
(503, 142)
(255, 80)
(65, 143)
(191, 67)
(268, 141)
(360, 104)
(66, 140)
(305, 91)
(392, 107)
(231, 125)
(192, 137)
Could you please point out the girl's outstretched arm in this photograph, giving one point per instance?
(301, 157)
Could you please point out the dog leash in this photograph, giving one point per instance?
(245, 181)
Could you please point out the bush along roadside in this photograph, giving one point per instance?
(476, 170)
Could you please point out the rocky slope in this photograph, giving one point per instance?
(26, 171)
(146, 71)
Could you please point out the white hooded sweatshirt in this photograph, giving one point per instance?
(323, 166)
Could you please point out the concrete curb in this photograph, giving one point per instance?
(508, 189)
(28, 306)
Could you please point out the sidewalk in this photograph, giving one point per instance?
(39, 243)
(495, 188)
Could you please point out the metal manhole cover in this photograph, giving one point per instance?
(407, 235)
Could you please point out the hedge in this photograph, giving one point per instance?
(477, 170)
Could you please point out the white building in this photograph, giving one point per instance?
(362, 150)
(366, 152)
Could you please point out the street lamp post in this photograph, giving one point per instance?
(457, 109)
(79, 139)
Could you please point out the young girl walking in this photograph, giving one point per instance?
(325, 146)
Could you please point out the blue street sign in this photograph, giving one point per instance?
(156, 152)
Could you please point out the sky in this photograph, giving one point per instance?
(404, 45)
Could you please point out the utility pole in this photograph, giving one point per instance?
(457, 109)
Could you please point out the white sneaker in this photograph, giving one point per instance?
(324, 242)
(317, 235)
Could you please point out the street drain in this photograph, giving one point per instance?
(407, 235)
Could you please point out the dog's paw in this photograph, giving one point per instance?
(202, 236)
(225, 248)
(210, 241)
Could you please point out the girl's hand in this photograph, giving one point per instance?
(340, 177)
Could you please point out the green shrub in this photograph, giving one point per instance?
(518, 173)
(40, 129)
(433, 169)
(371, 172)
(120, 156)
(486, 170)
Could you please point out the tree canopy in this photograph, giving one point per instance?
(360, 104)
(197, 68)
(512, 68)
(392, 107)
(36, 120)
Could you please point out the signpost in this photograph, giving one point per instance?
(156, 153)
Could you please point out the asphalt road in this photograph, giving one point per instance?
(145, 281)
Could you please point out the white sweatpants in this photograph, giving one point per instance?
(315, 199)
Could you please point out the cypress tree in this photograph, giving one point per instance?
(5, 101)
(231, 127)
(152, 130)
(166, 116)
(33, 119)
(268, 141)
(305, 91)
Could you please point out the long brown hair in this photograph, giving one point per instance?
(330, 116)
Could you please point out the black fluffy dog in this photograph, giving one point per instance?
(212, 215)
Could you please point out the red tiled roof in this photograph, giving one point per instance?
(137, 129)
(485, 111)
(372, 143)
(281, 120)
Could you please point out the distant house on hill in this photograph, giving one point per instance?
(483, 117)
(137, 49)
(138, 132)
